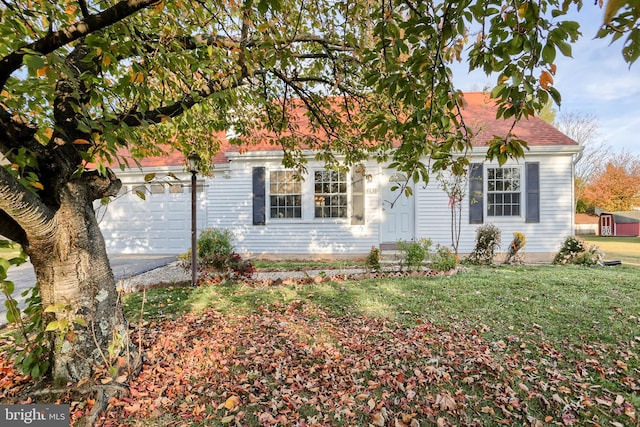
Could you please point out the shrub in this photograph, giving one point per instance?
(518, 242)
(415, 252)
(571, 247)
(488, 238)
(31, 347)
(372, 263)
(443, 259)
(216, 252)
(215, 245)
(239, 267)
(592, 256)
(576, 251)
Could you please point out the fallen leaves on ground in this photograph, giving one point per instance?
(299, 365)
(11, 380)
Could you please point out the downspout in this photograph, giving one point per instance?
(576, 158)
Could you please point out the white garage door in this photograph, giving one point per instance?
(159, 224)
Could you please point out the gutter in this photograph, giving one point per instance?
(579, 156)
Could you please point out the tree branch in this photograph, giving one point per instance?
(17, 132)
(135, 118)
(25, 208)
(102, 186)
(326, 126)
(55, 40)
(246, 41)
(83, 8)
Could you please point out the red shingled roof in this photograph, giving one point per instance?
(479, 114)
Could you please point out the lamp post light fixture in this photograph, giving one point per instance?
(194, 163)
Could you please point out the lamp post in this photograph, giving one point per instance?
(194, 163)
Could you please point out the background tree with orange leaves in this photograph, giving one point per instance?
(617, 186)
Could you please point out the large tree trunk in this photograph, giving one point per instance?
(77, 283)
(58, 230)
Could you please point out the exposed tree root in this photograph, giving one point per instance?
(102, 395)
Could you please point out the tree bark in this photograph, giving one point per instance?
(75, 277)
(73, 272)
(76, 282)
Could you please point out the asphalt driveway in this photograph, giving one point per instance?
(123, 266)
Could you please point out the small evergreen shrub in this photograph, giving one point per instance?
(488, 238)
(518, 242)
(576, 251)
(372, 263)
(443, 259)
(414, 252)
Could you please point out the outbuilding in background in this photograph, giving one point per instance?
(626, 223)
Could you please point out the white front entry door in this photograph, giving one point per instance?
(397, 212)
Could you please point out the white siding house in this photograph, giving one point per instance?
(332, 214)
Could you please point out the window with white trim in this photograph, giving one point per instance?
(330, 194)
(504, 191)
(285, 194)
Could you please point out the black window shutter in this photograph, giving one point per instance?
(259, 200)
(476, 188)
(357, 197)
(533, 192)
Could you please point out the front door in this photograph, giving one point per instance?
(397, 212)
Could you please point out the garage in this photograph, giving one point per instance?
(151, 218)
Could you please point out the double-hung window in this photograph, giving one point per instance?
(285, 194)
(504, 191)
(330, 194)
(325, 194)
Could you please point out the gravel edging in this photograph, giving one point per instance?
(174, 274)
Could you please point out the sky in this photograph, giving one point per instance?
(595, 81)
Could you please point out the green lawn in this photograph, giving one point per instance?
(502, 297)
(626, 249)
(504, 345)
(9, 252)
(539, 345)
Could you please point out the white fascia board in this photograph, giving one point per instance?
(136, 175)
(136, 171)
(271, 155)
(537, 150)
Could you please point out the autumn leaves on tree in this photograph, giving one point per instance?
(616, 187)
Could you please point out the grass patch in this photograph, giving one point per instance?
(508, 345)
(546, 298)
(10, 252)
(159, 303)
(626, 249)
